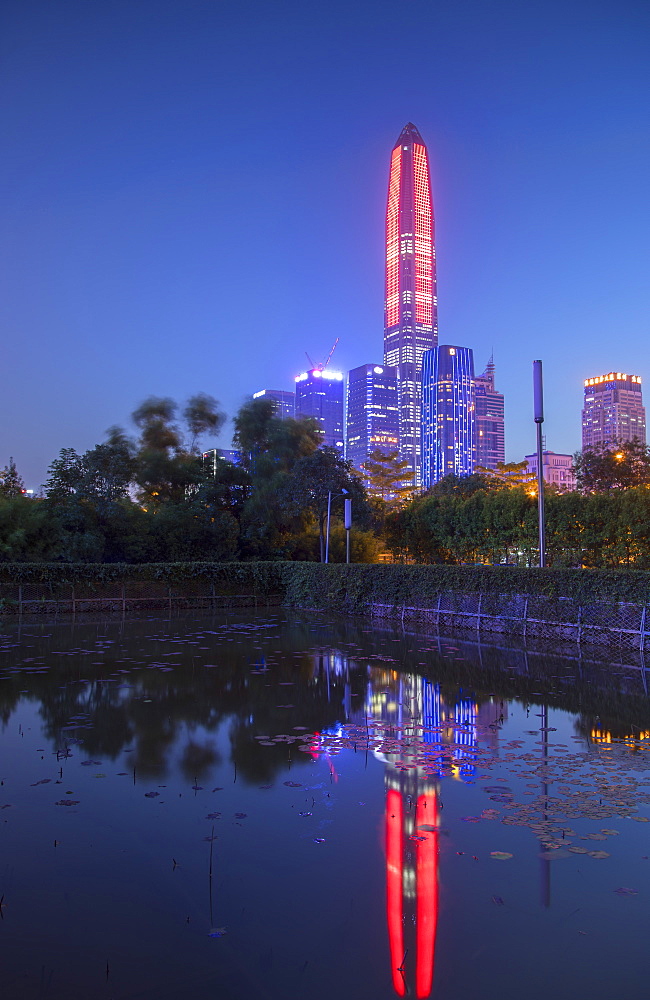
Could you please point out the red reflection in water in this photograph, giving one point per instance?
(394, 906)
(425, 903)
(427, 895)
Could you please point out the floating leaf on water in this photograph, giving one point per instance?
(598, 854)
(67, 802)
(498, 900)
(291, 784)
(624, 891)
(578, 850)
(319, 840)
(640, 819)
(500, 855)
(427, 828)
(471, 819)
(217, 932)
(213, 816)
(241, 815)
(610, 833)
(305, 814)
(554, 854)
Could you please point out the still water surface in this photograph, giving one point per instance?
(283, 806)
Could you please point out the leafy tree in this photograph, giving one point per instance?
(613, 466)
(508, 473)
(202, 416)
(315, 479)
(252, 430)
(25, 530)
(11, 484)
(385, 474)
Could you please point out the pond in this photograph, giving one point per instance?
(279, 805)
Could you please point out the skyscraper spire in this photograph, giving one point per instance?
(411, 308)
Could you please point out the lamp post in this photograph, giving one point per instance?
(347, 526)
(538, 396)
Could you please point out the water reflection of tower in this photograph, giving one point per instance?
(410, 705)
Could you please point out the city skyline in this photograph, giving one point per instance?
(198, 196)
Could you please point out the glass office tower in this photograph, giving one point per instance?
(448, 414)
(319, 394)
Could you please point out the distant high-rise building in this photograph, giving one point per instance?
(411, 305)
(372, 412)
(613, 410)
(286, 401)
(557, 470)
(319, 394)
(212, 456)
(490, 438)
(448, 413)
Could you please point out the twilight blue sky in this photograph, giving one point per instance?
(193, 195)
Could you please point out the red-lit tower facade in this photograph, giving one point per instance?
(411, 307)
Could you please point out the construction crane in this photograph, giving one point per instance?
(321, 366)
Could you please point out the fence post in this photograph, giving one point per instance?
(478, 615)
(438, 610)
(525, 616)
(642, 628)
(579, 624)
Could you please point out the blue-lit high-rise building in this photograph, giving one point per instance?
(319, 394)
(285, 402)
(372, 413)
(448, 413)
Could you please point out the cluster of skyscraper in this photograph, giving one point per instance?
(425, 401)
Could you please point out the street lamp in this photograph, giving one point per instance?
(327, 533)
(538, 395)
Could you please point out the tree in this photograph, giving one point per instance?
(385, 474)
(508, 474)
(11, 484)
(202, 416)
(320, 478)
(252, 429)
(619, 465)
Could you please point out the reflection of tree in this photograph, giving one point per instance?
(150, 711)
(158, 708)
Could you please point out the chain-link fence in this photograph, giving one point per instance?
(602, 623)
(47, 599)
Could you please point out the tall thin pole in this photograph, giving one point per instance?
(348, 524)
(327, 535)
(538, 394)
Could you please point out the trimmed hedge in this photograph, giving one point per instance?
(348, 588)
(260, 578)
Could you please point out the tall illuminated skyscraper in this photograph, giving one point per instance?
(319, 394)
(613, 410)
(490, 441)
(411, 306)
(372, 413)
(448, 414)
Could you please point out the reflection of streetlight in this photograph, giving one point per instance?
(619, 456)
